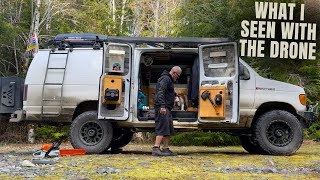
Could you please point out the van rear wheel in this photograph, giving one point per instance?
(121, 138)
(278, 132)
(91, 134)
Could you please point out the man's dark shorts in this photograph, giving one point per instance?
(163, 123)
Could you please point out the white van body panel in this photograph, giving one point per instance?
(84, 68)
(258, 90)
(275, 91)
(81, 81)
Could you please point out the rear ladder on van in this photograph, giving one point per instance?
(52, 91)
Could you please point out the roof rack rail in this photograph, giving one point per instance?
(140, 40)
(83, 36)
(89, 40)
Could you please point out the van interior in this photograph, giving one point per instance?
(152, 65)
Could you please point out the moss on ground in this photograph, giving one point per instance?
(193, 162)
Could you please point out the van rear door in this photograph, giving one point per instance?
(219, 83)
(115, 82)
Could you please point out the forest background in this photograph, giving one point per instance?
(19, 19)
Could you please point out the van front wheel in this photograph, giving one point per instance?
(91, 134)
(278, 132)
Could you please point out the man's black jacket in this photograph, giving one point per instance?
(164, 96)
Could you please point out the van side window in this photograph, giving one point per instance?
(117, 59)
(219, 61)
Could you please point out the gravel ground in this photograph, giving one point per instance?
(136, 162)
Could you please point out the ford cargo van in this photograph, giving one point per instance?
(104, 87)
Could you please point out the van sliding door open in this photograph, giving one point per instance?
(219, 83)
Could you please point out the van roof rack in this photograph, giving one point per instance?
(89, 40)
(82, 36)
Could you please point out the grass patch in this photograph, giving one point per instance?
(313, 132)
(47, 133)
(200, 138)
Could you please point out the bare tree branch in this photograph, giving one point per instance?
(2, 74)
(3, 61)
(15, 57)
(11, 47)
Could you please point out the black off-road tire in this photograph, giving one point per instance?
(91, 134)
(121, 138)
(249, 144)
(278, 132)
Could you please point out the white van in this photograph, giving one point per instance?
(104, 86)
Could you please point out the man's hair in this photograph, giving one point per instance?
(176, 68)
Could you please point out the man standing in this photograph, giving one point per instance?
(164, 100)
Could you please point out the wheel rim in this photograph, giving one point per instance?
(91, 133)
(279, 134)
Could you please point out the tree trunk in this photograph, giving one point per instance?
(49, 16)
(18, 12)
(34, 29)
(122, 15)
(156, 19)
(35, 19)
(136, 22)
(114, 14)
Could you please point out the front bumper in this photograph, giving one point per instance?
(311, 115)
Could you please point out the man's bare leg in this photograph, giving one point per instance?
(158, 141)
(165, 148)
(165, 141)
(156, 149)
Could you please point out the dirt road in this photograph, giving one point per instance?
(136, 162)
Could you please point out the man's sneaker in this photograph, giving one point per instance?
(168, 152)
(157, 152)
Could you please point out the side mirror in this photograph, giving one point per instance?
(269, 76)
(243, 72)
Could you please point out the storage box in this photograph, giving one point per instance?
(116, 61)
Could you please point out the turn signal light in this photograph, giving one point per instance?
(303, 99)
